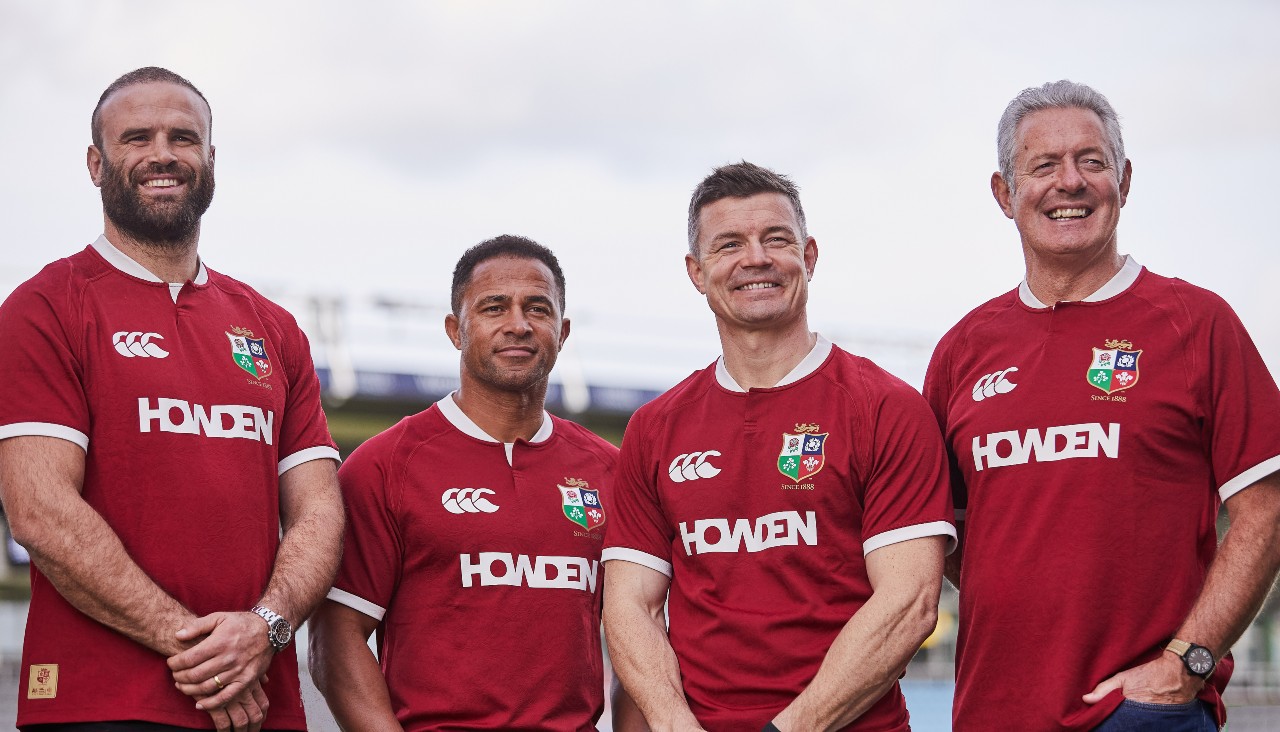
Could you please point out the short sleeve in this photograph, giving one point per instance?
(638, 531)
(906, 492)
(42, 392)
(937, 394)
(1243, 425)
(372, 553)
(304, 433)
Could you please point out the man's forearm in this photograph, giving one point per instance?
(641, 653)
(1243, 571)
(875, 645)
(75, 548)
(311, 546)
(867, 657)
(346, 672)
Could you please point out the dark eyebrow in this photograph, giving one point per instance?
(494, 300)
(539, 299)
(177, 131)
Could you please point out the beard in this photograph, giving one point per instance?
(158, 223)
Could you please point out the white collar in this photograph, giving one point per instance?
(452, 412)
(807, 366)
(126, 264)
(1122, 280)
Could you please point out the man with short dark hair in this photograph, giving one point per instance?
(473, 546)
(160, 424)
(1098, 416)
(787, 505)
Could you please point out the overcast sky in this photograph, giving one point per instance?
(363, 146)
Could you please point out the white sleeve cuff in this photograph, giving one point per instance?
(359, 604)
(322, 452)
(636, 556)
(907, 533)
(1249, 477)
(45, 429)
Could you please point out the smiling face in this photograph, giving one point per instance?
(1066, 195)
(509, 327)
(155, 167)
(753, 262)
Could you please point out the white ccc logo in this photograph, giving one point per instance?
(468, 500)
(992, 384)
(137, 343)
(693, 465)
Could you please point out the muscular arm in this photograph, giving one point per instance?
(1234, 589)
(635, 628)
(951, 564)
(345, 670)
(73, 546)
(235, 646)
(874, 647)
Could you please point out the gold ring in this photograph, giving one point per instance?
(217, 681)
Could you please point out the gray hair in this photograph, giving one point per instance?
(740, 180)
(1062, 94)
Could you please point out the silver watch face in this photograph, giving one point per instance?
(1199, 660)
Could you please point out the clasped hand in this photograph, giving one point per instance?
(225, 668)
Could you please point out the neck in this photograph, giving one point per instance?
(758, 359)
(172, 261)
(1069, 280)
(504, 415)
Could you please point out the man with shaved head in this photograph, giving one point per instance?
(163, 455)
(1098, 416)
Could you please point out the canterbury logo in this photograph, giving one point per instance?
(693, 465)
(468, 500)
(136, 343)
(992, 384)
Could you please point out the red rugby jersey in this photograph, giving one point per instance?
(1093, 443)
(482, 563)
(761, 506)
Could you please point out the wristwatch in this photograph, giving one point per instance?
(1198, 659)
(279, 632)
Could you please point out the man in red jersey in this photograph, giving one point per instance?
(160, 425)
(473, 546)
(788, 503)
(1098, 415)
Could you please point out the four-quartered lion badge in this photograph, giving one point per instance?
(249, 353)
(1114, 367)
(581, 503)
(802, 452)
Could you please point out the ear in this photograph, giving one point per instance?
(212, 150)
(564, 332)
(1003, 195)
(1124, 182)
(93, 160)
(810, 256)
(694, 267)
(453, 328)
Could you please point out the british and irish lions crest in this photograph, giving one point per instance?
(581, 503)
(802, 454)
(249, 353)
(1114, 367)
